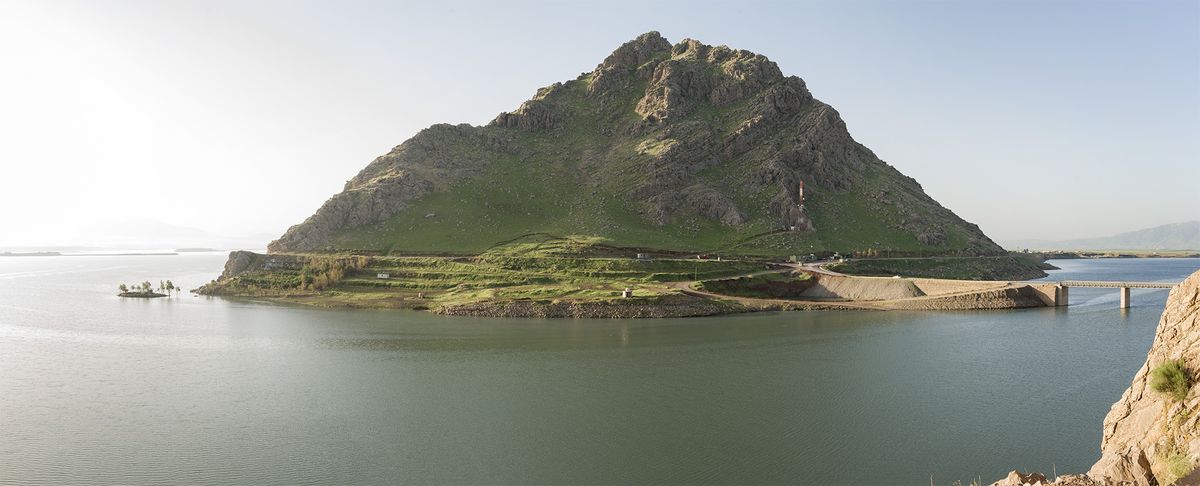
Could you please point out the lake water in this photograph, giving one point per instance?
(98, 389)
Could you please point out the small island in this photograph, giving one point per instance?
(146, 290)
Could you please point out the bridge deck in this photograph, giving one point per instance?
(1115, 285)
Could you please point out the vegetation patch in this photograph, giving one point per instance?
(1174, 466)
(147, 290)
(1006, 267)
(533, 269)
(1171, 378)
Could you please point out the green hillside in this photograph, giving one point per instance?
(687, 147)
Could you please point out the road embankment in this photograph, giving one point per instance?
(893, 293)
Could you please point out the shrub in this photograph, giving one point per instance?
(1175, 467)
(1171, 378)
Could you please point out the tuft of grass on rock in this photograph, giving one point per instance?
(1171, 378)
(1175, 466)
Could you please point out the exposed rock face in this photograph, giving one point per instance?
(239, 261)
(530, 116)
(1145, 426)
(1037, 479)
(624, 65)
(678, 135)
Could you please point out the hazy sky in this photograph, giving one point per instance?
(1032, 119)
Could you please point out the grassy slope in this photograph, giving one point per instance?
(574, 180)
(534, 268)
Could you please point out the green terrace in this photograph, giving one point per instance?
(533, 268)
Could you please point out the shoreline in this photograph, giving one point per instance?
(551, 279)
(811, 287)
(141, 295)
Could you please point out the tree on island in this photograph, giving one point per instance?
(164, 286)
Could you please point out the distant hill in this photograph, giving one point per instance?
(1177, 236)
(684, 147)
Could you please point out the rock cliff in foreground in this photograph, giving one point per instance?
(684, 146)
(1146, 430)
(1152, 437)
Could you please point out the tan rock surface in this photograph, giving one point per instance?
(1144, 426)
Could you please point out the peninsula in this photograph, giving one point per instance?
(623, 192)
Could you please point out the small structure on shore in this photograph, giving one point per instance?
(383, 275)
(627, 293)
(643, 256)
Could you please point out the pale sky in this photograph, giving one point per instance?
(239, 118)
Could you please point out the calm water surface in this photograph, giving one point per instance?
(98, 389)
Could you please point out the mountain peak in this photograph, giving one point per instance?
(685, 147)
(636, 52)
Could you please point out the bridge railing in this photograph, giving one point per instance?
(1117, 285)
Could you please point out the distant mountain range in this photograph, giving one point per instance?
(1177, 236)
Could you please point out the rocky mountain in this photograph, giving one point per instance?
(1177, 236)
(685, 147)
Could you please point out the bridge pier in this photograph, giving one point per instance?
(1058, 294)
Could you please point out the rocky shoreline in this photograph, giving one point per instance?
(1151, 437)
(681, 306)
(672, 306)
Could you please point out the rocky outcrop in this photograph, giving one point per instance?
(1145, 427)
(630, 61)
(677, 85)
(435, 158)
(1016, 478)
(240, 261)
(530, 116)
(379, 199)
(1151, 437)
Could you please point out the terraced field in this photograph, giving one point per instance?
(538, 268)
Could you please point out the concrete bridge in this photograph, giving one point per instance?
(1060, 291)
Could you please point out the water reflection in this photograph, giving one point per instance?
(213, 390)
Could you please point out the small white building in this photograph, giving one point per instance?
(627, 293)
(384, 275)
(643, 256)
